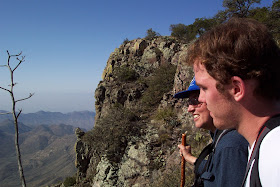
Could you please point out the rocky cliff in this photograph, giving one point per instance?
(138, 124)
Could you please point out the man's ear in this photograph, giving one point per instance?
(238, 88)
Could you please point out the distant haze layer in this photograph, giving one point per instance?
(52, 102)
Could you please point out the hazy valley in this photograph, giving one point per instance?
(47, 146)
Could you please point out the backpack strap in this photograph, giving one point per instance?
(266, 128)
(208, 150)
(205, 152)
(218, 137)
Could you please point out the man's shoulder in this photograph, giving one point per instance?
(272, 139)
(233, 139)
(269, 162)
(270, 142)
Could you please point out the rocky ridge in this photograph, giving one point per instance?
(138, 123)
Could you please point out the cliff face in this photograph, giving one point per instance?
(138, 124)
(141, 57)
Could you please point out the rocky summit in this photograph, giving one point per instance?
(138, 123)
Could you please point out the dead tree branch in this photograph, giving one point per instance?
(19, 60)
(30, 95)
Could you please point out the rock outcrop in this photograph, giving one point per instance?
(138, 124)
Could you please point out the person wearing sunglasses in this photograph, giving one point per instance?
(227, 154)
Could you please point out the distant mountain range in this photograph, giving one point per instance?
(47, 153)
(83, 119)
(46, 141)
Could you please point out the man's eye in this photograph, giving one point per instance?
(202, 88)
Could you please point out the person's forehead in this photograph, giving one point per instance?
(200, 73)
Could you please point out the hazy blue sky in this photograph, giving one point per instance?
(67, 43)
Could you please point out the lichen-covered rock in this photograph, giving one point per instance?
(139, 47)
(82, 155)
(134, 164)
(79, 133)
(106, 174)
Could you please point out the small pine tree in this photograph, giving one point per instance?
(151, 34)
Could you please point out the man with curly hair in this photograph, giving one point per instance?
(237, 67)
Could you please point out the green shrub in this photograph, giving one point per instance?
(198, 136)
(172, 177)
(125, 74)
(163, 138)
(69, 181)
(198, 139)
(151, 34)
(161, 82)
(165, 114)
(125, 41)
(179, 31)
(112, 133)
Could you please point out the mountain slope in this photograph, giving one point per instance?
(47, 155)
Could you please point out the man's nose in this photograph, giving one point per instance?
(201, 97)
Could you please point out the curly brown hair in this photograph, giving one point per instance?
(240, 47)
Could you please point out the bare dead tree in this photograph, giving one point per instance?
(15, 114)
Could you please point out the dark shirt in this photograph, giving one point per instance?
(228, 162)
